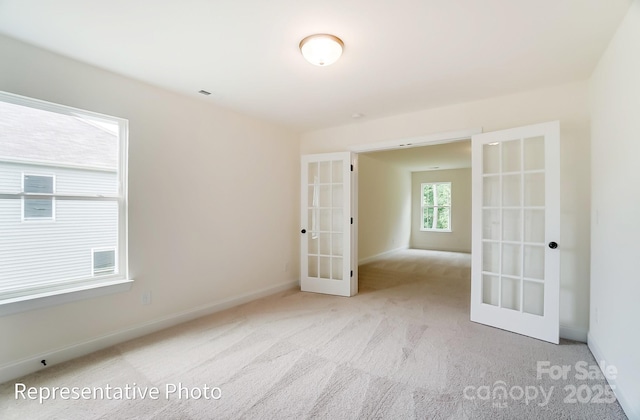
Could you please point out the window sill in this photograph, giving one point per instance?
(437, 230)
(58, 297)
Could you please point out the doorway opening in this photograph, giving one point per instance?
(515, 214)
(397, 205)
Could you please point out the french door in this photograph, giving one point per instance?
(516, 228)
(328, 263)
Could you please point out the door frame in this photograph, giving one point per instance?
(403, 143)
(406, 143)
(420, 141)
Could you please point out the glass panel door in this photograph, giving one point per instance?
(326, 224)
(515, 274)
(514, 212)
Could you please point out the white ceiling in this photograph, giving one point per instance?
(400, 56)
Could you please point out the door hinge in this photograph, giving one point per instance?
(351, 168)
(352, 220)
(351, 273)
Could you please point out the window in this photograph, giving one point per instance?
(35, 206)
(436, 206)
(66, 166)
(104, 262)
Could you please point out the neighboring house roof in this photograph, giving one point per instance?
(38, 136)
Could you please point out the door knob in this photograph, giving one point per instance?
(304, 231)
(553, 245)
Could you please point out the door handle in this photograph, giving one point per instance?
(553, 245)
(303, 231)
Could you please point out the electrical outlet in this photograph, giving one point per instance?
(145, 298)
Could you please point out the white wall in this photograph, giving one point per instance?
(213, 199)
(459, 239)
(384, 207)
(568, 104)
(615, 227)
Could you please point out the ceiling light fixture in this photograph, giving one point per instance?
(321, 49)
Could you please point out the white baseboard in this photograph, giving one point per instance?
(32, 364)
(624, 399)
(575, 334)
(380, 255)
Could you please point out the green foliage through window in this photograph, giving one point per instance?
(436, 206)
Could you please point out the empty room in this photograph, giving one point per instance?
(342, 210)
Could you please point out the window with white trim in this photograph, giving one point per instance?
(436, 206)
(38, 201)
(67, 166)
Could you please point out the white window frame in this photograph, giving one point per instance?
(93, 254)
(33, 195)
(423, 207)
(76, 289)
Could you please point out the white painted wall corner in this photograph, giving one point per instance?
(624, 399)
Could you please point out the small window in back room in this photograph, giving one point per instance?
(37, 206)
(104, 262)
(436, 206)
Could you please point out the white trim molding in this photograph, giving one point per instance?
(65, 295)
(427, 140)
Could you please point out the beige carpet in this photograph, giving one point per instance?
(403, 348)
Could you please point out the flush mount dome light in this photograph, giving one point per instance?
(321, 49)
